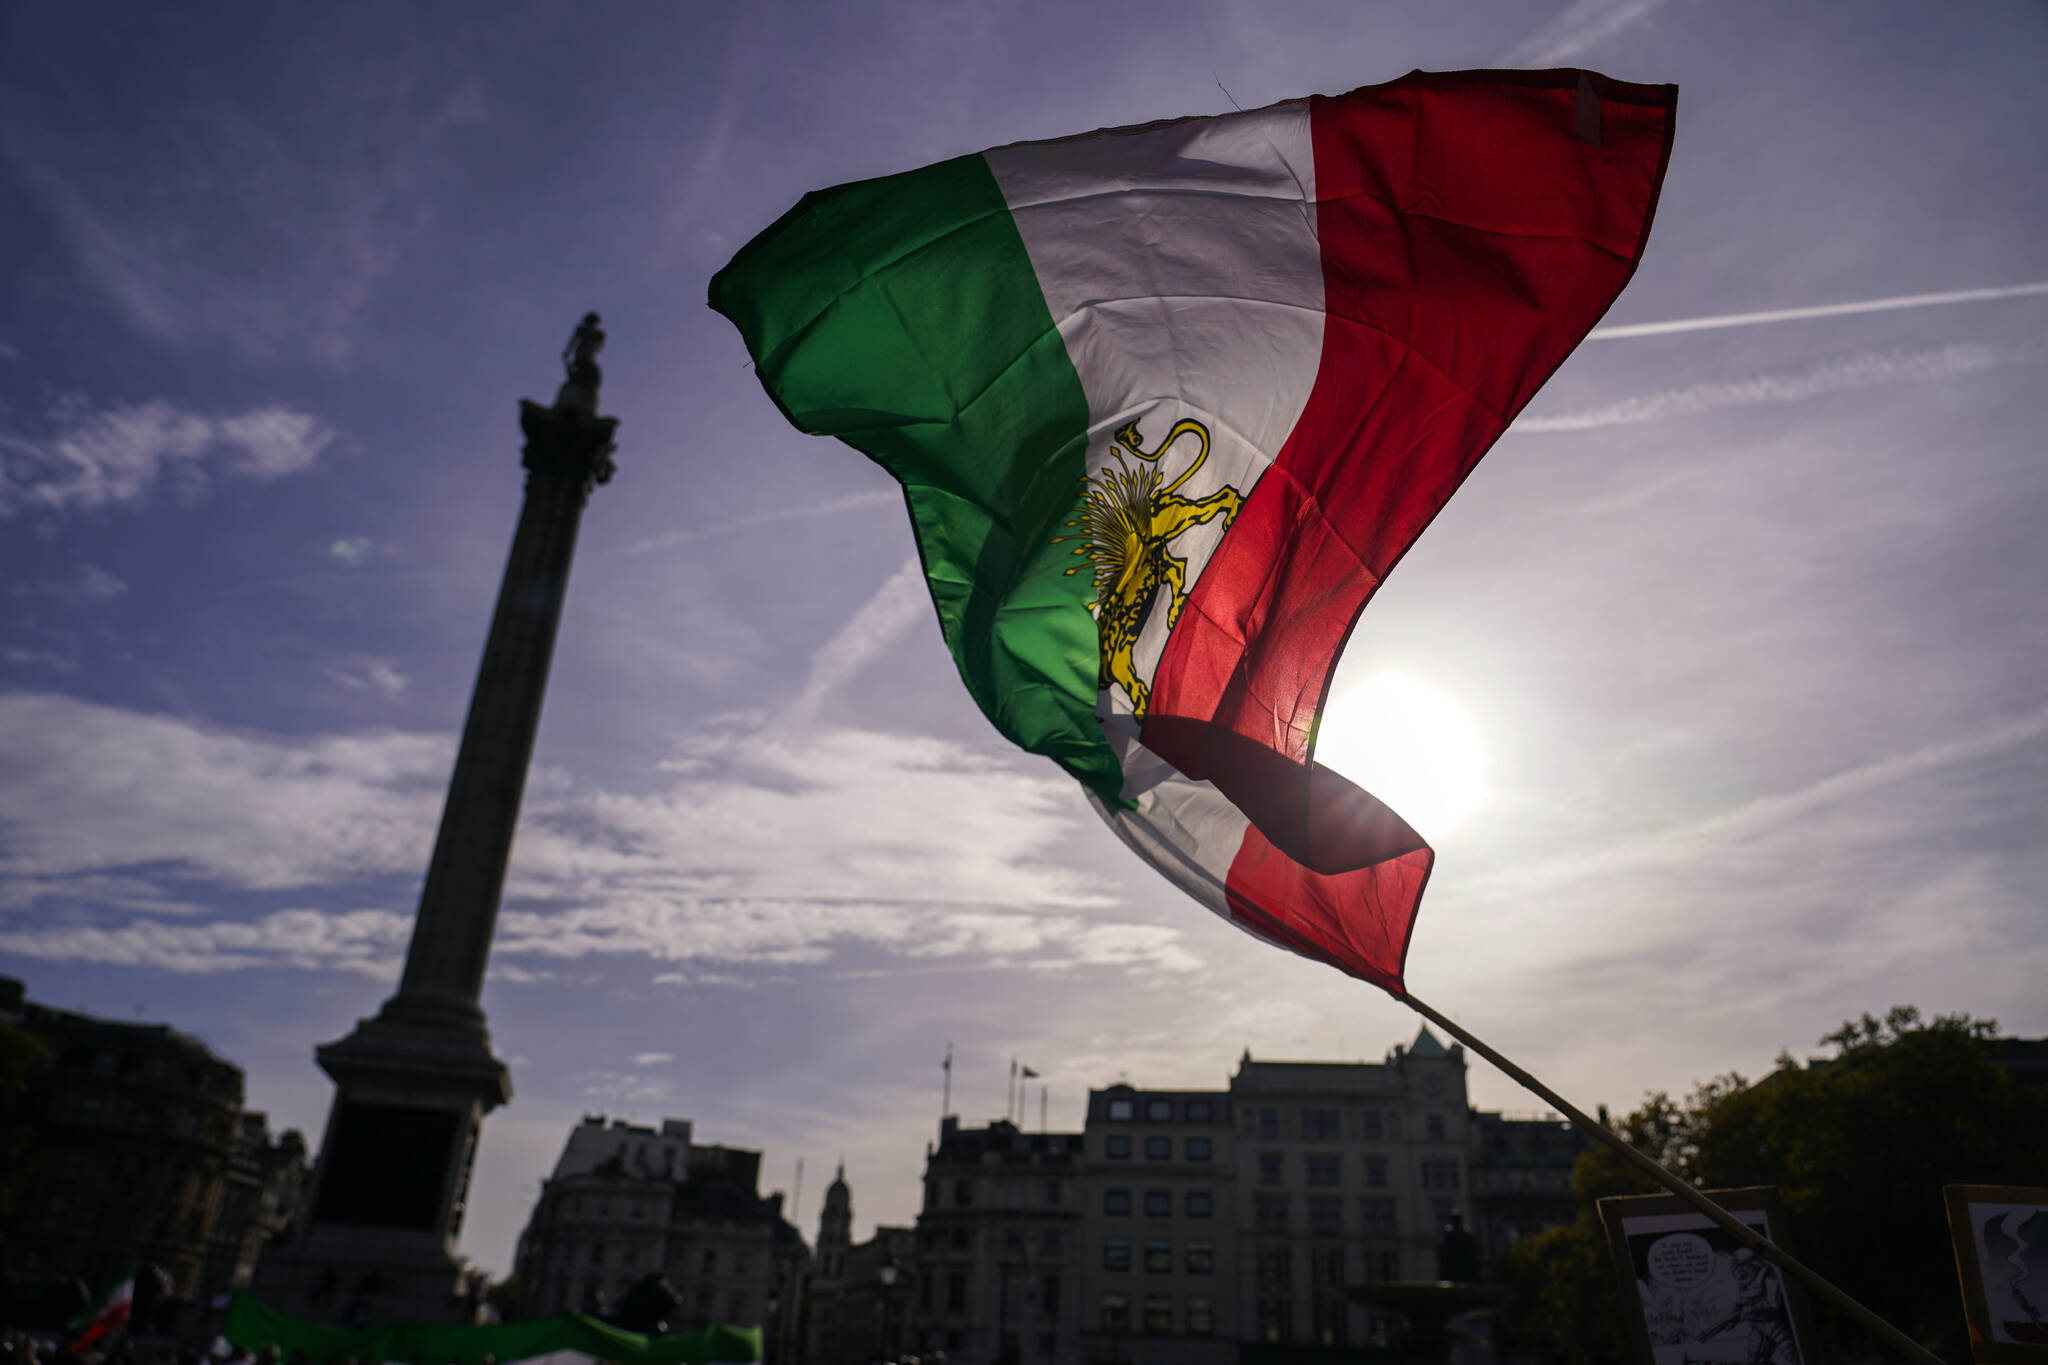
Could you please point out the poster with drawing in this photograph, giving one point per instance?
(1704, 1298)
(2001, 1240)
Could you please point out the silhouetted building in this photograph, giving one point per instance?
(1159, 1258)
(1521, 1173)
(856, 1306)
(998, 1246)
(1199, 1227)
(144, 1156)
(625, 1201)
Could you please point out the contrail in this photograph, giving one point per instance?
(1824, 310)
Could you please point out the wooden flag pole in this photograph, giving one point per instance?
(1736, 1228)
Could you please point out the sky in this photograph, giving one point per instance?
(1742, 624)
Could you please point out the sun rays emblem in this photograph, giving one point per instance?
(1127, 522)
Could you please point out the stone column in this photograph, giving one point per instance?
(377, 1238)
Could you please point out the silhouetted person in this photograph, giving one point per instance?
(1457, 1256)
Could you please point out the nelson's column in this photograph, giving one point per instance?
(376, 1243)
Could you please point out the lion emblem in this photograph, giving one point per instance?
(1128, 522)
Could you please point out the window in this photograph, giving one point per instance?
(1116, 1253)
(1116, 1313)
(1201, 1315)
(1269, 1212)
(1200, 1258)
(959, 1239)
(1325, 1214)
(1276, 1320)
(1376, 1172)
(1048, 1342)
(1443, 1208)
(1054, 1192)
(1376, 1215)
(1326, 1266)
(1120, 1111)
(1439, 1175)
(1158, 1257)
(1269, 1123)
(1201, 1203)
(924, 1293)
(1050, 1241)
(1275, 1267)
(1158, 1149)
(1321, 1123)
(1116, 1202)
(1117, 1146)
(1323, 1168)
(1269, 1168)
(1158, 1314)
(1199, 1149)
(1159, 1203)
(710, 1266)
(738, 1310)
(1200, 1111)
(1375, 1127)
(1436, 1127)
(956, 1291)
(1049, 1294)
(1159, 1111)
(963, 1193)
(1328, 1328)
(597, 1253)
(955, 1339)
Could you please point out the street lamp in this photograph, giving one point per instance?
(887, 1276)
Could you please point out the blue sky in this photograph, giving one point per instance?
(1747, 621)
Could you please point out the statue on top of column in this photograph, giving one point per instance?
(579, 357)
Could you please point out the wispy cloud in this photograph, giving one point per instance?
(668, 540)
(869, 633)
(1841, 374)
(351, 550)
(367, 942)
(1626, 330)
(306, 210)
(1692, 842)
(98, 457)
(1577, 27)
(363, 672)
(653, 1058)
(764, 847)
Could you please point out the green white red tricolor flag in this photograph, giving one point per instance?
(110, 1316)
(1169, 402)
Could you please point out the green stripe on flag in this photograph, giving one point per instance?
(902, 315)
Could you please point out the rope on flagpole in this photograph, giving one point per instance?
(1735, 1227)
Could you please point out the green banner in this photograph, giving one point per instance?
(253, 1326)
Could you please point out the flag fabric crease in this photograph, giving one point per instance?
(1169, 402)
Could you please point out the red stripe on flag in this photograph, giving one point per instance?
(1358, 922)
(1474, 227)
(1471, 237)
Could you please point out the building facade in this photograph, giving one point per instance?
(625, 1202)
(1521, 1172)
(1159, 1255)
(143, 1155)
(994, 1275)
(857, 1304)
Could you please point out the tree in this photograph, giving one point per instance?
(1858, 1144)
(22, 1055)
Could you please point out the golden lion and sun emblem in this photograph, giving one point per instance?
(1128, 521)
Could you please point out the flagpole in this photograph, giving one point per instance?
(1735, 1227)
(946, 1093)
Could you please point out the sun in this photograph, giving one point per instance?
(1411, 746)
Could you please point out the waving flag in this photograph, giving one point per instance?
(1169, 402)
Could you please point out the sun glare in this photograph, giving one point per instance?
(1409, 745)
